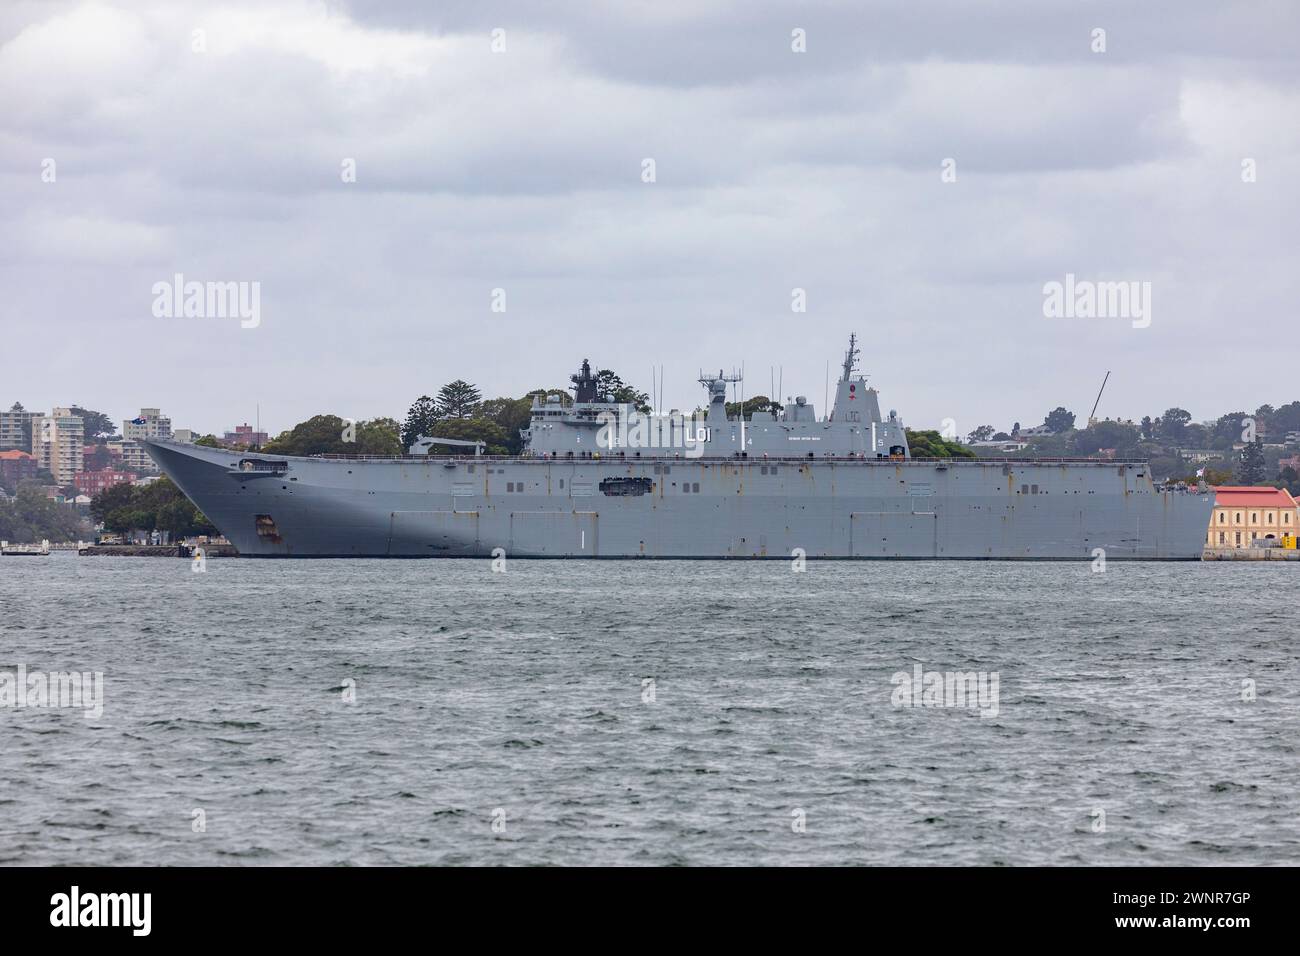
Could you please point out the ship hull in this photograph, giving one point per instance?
(753, 509)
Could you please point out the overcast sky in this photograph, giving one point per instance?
(522, 170)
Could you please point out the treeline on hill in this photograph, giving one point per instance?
(1236, 439)
(459, 411)
(159, 505)
(331, 435)
(29, 517)
(930, 444)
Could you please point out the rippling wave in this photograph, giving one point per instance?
(566, 712)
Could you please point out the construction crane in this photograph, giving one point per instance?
(1092, 417)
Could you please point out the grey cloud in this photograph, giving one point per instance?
(521, 171)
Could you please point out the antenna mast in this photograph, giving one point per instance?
(851, 357)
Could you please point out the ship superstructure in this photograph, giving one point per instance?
(594, 425)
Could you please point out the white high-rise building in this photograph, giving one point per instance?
(58, 444)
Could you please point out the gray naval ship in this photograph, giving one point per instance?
(597, 479)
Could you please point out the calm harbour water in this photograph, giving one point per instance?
(526, 693)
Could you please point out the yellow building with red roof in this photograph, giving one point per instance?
(1243, 514)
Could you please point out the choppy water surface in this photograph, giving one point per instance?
(523, 697)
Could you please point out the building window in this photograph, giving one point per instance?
(1268, 518)
(1238, 534)
(1221, 537)
(1237, 518)
(1254, 517)
(1222, 517)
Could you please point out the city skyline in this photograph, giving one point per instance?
(1026, 422)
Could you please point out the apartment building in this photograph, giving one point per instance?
(16, 428)
(58, 444)
(150, 423)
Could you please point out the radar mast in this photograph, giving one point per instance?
(851, 358)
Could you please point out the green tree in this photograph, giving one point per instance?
(420, 419)
(182, 519)
(928, 443)
(457, 399)
(512, 414)
(124, 520)
(31, 517)
(1059, 420)
(1286, 418)
(543, 393)
(609, 384)
(759, 403)
(1173, 423)
(330, 434)
(208, 441)
(1250, 467)
(158, 505)
(982, 433)
(1048, 446)
(1166, 466)
(1106, 435)
(1289, 479)
(174, 516)
(94, 424)
(1217, 476)
(379, 436)
(1195, 435)
(1227, 430)
(1264, 416)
